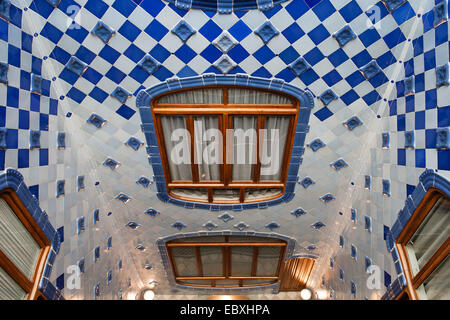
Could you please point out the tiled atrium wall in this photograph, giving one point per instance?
(304, 45)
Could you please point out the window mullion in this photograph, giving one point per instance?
(194, 166)
(15, 273)
(437, 258)
(255, 260)
(260, 125)
(199, 261)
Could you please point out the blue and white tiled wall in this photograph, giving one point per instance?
(355, 56)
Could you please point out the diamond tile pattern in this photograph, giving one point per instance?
(293, 41)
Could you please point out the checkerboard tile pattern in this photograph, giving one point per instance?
(41, 40)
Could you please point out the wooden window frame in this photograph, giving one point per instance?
(227, 263)
(29, 286)
(419, 215)
(225, 112)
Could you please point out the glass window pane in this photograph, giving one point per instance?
(16, 242)
(430, 235)
(208, 147)
(268, 258)
(244, 147)
(178, 143)
(198, 96)
(260, 193)
(185, 261)
(226, 195)
(437, 285)
(193, 193)
(241, 261)
(274, 144)
(9, 289)
(212, 261)
(246, 96)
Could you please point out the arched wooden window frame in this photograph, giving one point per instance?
(227, 273)
(26, 207)
(168, 266)
(226, 6)
(29, 286)
(225, 112)
(431, 187)
(145, 97)
(413, 282)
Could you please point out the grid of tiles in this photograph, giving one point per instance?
(23, 110)
(303, 50)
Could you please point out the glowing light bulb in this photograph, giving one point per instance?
(305, 294)
(148, 295)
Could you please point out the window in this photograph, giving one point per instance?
(423, 247)
(225, 144)
(23, 250)
(226, 261)
(225, 6)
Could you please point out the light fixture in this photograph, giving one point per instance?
(148, 294)
(322, 294)
(305, 294)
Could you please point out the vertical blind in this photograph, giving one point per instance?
(9, 289)
(430, 235)
(16, 242)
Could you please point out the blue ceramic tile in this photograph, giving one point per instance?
(409, 140)
(316, 144)
(111, 163)
(76, 66)
(442, 75)
(306, 182)
(178, 225)
(370, 70)
(266, 32)
(327, 198)
(339, 164)
(151, 212)
(96, 120)
(327, 97)
(393, 5)
(344, 35)
(3, 72)
(103, 31)
(123, 198)
(440, 13)
(352, 123)
(443, 138)
(35, 139)
(183, 30)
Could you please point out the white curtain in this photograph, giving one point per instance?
(192, 193)
(200, 96)
(208, 145)
(177, 142)
(9, 289)
(246, 96)
(16, 242)
(226, 194)
(437, 285)
(258, 193)
(244, 147)
(273, 146)
(431, 234)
